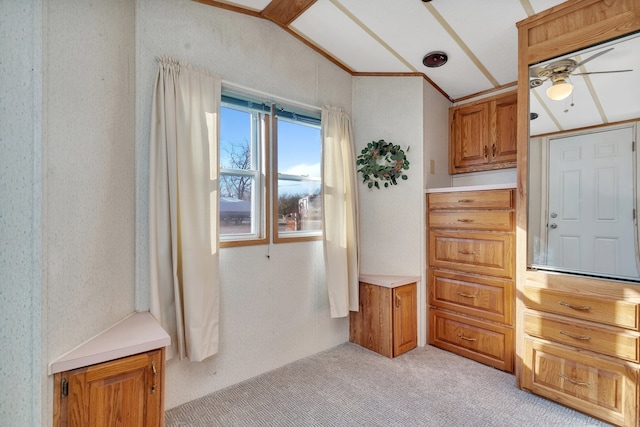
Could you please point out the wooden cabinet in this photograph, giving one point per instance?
(386, 321)
(482, 134)
(582, 345)
(126, 392)
(471, 274)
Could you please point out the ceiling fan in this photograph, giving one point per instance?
(559, 71)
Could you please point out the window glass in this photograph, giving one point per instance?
(299, 184)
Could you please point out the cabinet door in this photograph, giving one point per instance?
(469, 136)
(405, 333)
(503, 129)
(127, 392)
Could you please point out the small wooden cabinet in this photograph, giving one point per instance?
(471, 274)
(482, 134)
(116, 379)
(127, 392)
(387, 318)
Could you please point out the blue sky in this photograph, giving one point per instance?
(299, 146)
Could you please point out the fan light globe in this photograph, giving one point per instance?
(559, 90)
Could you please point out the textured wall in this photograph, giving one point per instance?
(273, 311)
(20, 281)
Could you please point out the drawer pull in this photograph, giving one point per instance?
(465, 295)
(466, 252)
(465, 338)
(465, 220)
(576, 307)
(578, 337)
(572, 381)
(466, 200)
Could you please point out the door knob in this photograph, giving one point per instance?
(553, 225)
(553, 215)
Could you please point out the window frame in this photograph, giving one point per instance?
(266, 177)
(260, 199)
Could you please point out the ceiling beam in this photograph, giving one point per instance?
(284, 12)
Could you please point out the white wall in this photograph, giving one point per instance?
(20, 192)
(408, 112)
(273, 310)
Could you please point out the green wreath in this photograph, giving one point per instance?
(382, 161)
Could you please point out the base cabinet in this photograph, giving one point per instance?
(471, 274)
(602, 387)
(126, 392)
(387, 319)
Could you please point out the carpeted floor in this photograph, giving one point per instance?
(351, 386)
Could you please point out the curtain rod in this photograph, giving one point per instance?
(268, 96)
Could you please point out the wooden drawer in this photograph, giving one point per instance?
(608, 311)
(484, 342)
(485, 297)
(482, 253)
(605, 340)
(487, 199)
(597, 386)
(473, 220)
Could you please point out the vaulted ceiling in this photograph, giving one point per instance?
(479, 38)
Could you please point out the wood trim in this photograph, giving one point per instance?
(284, 12)
(486, 92)
(568, 27)
(231, 7)
(575, 130)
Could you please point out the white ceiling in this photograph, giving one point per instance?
(479, 37)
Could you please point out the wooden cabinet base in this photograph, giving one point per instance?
(126, 392)
(387, 319)
(485, 342)
(597, 386)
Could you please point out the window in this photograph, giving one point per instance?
(247, 129)
(298, 185)
(243, 139)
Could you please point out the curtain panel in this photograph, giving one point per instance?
(340, 211)
(183, 208)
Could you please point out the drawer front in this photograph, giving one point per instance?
(484, 342)
(484, 297)
(599, 387)
(490, 254)
(486, 199)
(610, 312)
(473, 220)
(613, 342)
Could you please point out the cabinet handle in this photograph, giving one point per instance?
(576, 307)
(572, 381)
(465, 338)
(578, 337)
(464, 220)
(493, 151)
(155, 374)
(466, 252)
(466, 295)
(485, 151)
(398, 301)
(466, 200)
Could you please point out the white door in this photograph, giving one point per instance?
(591, 203)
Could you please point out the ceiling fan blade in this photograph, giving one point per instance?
(600, 72)
(594, 56)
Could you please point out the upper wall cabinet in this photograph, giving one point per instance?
(482, 134)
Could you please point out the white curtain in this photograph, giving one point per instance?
(183, 208)
(340, 211)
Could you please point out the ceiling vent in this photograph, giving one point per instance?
(435, 59)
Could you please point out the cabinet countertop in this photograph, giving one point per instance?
(137, 333)
(472, 188)
(388, 281)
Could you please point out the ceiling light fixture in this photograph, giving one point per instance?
(560, 89)
(435, 59)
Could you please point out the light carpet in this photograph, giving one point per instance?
(352, 386)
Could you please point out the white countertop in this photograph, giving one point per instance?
(388, 281)
(471, 188)
(135, 334)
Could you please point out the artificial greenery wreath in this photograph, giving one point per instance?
(382, 161)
